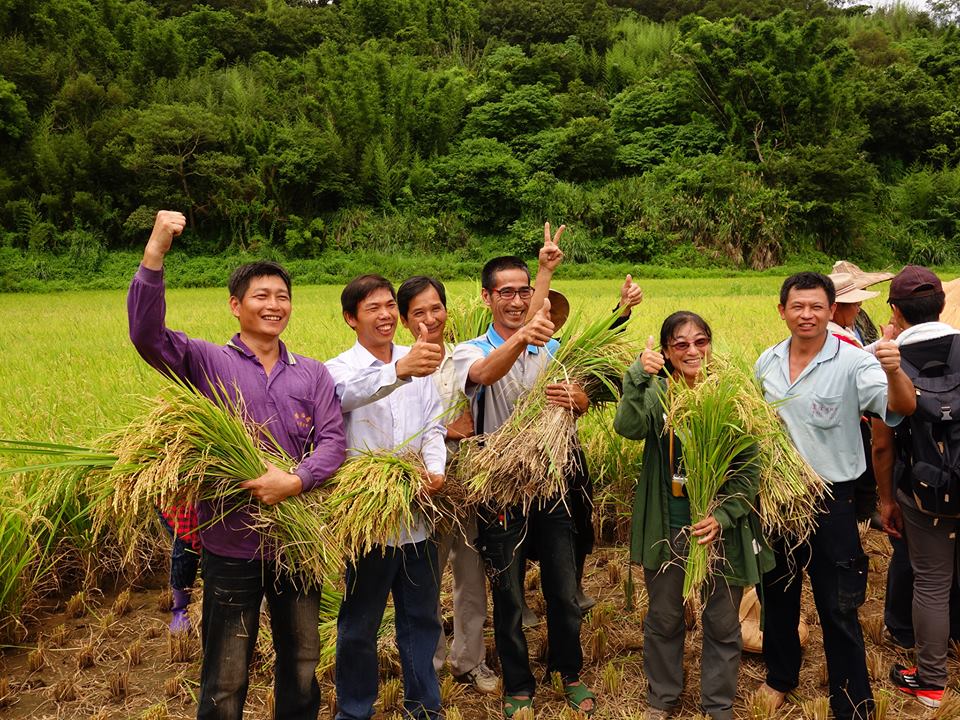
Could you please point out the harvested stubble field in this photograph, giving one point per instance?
(70, 374)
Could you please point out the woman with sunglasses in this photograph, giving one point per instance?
(661, 529)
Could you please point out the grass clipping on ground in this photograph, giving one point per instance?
(529, 458)
(717, 419)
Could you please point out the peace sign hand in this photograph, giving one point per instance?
(550, 255)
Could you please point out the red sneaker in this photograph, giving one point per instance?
(908, 681)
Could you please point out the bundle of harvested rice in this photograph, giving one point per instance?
(375, 497)
(706, 421)
(185, 448)
(715, 420)
(530, 456)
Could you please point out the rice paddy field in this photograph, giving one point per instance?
(80, 641)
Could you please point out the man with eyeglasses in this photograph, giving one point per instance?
(494, 371)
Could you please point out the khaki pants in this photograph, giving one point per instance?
(469, 602)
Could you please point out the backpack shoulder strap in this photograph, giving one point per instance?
(953, 358)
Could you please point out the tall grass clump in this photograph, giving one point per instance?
(530, 456)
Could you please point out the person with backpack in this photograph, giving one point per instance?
(921, 496)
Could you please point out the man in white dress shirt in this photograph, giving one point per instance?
(389, 402)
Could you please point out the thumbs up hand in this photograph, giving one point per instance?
(651, 361)
(422, 360)
(888, 353)
(540, 328)
(630, 296)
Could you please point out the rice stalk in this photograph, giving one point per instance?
(373, 499)
(706, 419)
(466, 319)
(529, 458)
(717, 419)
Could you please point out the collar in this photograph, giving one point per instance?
(925, 331)
(286, 357)
(365, 358)
(830, 349)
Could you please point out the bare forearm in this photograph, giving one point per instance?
(901, 395)
(498, 363)
(883, 458)
(540, 292)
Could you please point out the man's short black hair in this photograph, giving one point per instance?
(358, 288)
(498, 264)
(808, 281)
(916, 310)
(240, 278)
(411, 287)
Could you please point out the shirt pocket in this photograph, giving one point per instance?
(825, 410)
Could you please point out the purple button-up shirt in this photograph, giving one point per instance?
(296, 402)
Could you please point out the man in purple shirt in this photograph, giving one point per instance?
(294, 398)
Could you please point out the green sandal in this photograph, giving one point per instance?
(577, 694)
(512, 705)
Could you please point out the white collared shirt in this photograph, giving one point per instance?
(383, 412)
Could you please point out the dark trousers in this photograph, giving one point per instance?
(232, 593)
(410, 573)
(549, 530)
(838, 576)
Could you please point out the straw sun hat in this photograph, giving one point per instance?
(850, 282)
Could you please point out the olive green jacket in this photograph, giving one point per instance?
(640, 416)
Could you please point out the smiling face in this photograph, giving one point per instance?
(426, 308)
(375, 321)
(264, 310)
(807, 313)
(687, 351)
(508, 315)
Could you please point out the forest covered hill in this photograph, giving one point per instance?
(730, 133)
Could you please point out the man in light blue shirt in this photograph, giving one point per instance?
(821, 387)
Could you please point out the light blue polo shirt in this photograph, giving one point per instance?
(504, 393)
(822, 408)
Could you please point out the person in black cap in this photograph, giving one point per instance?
(916, 300)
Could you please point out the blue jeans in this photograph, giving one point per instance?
(232, 592)
(838, 576)
(410, 573)
(550, 531)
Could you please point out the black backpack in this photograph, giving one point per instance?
(929, 440)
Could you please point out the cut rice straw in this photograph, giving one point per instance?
(529, 458)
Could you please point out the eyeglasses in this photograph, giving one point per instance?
(509, 293)
(683, 345)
